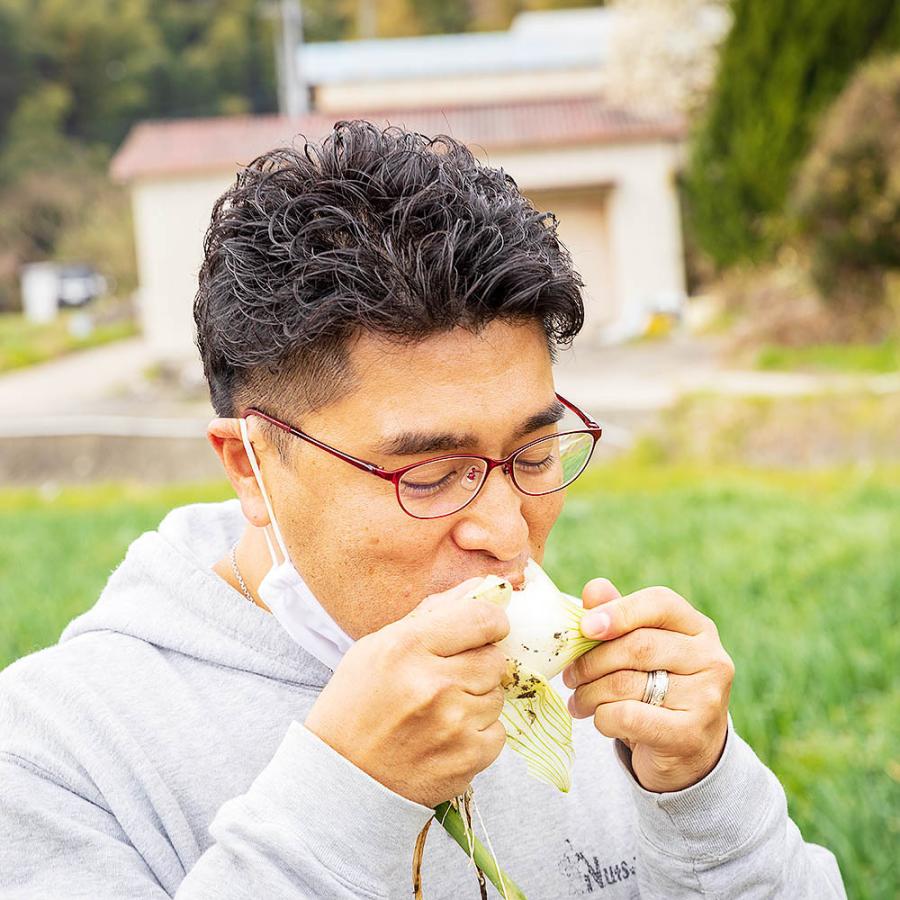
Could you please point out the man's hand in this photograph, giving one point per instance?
(417, 703)
(674, 745)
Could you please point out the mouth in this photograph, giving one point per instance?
(515, 579)
(513, 572)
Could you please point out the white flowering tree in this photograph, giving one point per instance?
(662, 54)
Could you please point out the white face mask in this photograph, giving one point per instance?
(285, 592)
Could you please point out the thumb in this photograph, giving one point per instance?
(599, 591)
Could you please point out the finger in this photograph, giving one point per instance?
(457, 592)
(483, 711)
(599, 591)
(641, 723)
(492, 740)
(643, 650)
(478, 671)
(626, 684)
(458, 623)
(655, 607)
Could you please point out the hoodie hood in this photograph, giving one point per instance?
(165, 593)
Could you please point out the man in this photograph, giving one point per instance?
(272, 693)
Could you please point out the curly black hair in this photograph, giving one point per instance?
(371, 230)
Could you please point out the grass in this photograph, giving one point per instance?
(59, 549)
(848, 358)
(797, 432)
(801, 572)
(24, 343)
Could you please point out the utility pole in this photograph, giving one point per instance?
(293, 96)
(366, 19)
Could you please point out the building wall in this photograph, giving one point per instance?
(616, 204)
(583, 227)
(171, 216)
(636, 262)
(421, 92)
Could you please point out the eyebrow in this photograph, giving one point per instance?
(412, 443)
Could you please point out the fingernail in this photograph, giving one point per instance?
(594, 624)
(568, 678)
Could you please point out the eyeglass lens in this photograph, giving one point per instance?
(444, 486)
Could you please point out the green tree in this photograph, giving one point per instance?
(102, 52)
(781, 65)
(35, 131)
(119, 61)
(408, 18)
(333, 20)
(217, 59)
(13, 61)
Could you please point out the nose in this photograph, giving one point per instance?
(494, 521)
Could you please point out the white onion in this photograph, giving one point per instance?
(544, 637)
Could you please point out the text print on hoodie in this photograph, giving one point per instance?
(158, 751)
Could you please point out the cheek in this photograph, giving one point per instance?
(375, 528)
(398, 539)
(541, 516)
(541, 513)
(386, 561)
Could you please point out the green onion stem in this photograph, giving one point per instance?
(449, 817)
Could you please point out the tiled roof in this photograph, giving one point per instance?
(182, 146)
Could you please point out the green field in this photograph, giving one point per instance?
(800, 571)
(849, 358)
(24, 343)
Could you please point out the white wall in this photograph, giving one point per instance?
(645, 255)
(583, 226)
(171, 216)
(417, 92)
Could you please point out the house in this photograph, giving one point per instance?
(560, 53)
(527, 100)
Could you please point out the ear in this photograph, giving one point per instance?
(225, 437)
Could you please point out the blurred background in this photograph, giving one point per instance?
(727, 178)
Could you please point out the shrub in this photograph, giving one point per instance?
(780, 305)
(847, 197)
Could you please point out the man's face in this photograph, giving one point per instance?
(364, 558)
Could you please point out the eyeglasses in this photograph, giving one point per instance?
(444, 485)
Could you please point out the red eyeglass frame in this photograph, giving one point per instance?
(394, 475)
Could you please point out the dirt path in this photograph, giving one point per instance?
(74, 383)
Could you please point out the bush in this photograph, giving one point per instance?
(781, 305)
(847, 197)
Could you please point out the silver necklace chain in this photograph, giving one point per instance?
(237, 575)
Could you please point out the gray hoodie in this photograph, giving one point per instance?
(158, 751)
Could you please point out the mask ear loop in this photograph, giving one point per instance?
(251, 456)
